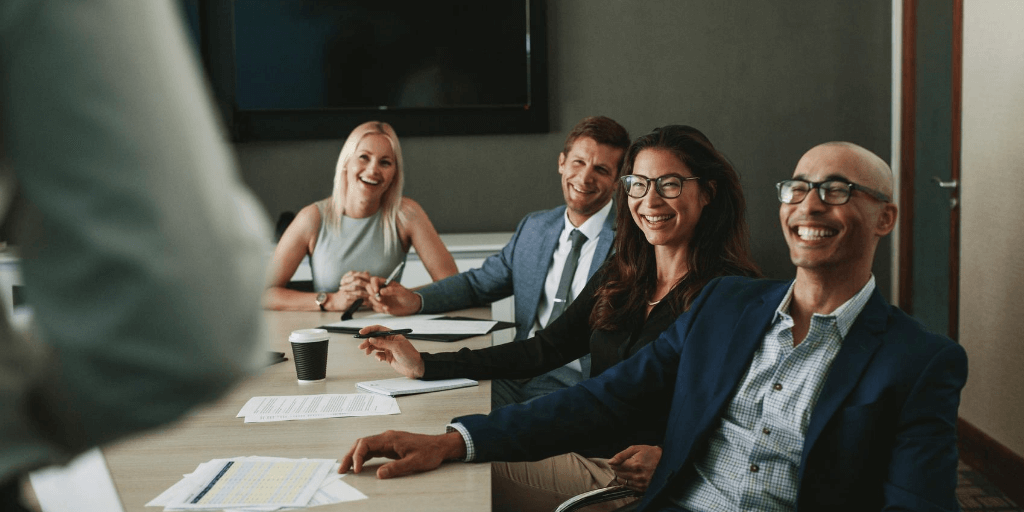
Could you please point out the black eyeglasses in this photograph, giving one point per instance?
(830, 191)
(668, 186)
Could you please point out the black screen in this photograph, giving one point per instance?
(301, 69)
(312, 54)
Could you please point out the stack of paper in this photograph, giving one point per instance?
(308, 407)
(244, 484)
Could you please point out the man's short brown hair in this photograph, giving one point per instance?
(603, 130)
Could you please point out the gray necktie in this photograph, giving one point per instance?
(564, 294)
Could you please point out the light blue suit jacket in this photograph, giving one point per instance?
(519, 269)
(881, 436)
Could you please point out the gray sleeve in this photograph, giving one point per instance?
(475, 287)
(144, 256)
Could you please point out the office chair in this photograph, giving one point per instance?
(283, 221)
(594, 497)
(302, 286)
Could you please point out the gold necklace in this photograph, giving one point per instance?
(656, 302)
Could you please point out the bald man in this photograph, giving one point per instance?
(814, 394)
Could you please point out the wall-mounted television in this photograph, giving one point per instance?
(309, 69)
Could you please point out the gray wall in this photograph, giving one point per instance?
(765, 81)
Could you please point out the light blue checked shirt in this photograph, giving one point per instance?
(468, 439)
(753, 459)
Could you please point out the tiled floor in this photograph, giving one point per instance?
(975, 493)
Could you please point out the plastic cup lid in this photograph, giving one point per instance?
(307, 335)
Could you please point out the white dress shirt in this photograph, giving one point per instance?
(592, 230)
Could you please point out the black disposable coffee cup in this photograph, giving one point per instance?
(309, 350)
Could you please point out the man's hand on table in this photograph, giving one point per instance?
(413, 453)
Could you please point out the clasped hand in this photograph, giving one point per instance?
(353, 286)
(395, 350)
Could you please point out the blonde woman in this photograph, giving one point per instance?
(364, 229)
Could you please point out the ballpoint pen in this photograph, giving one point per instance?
(381, 334)
(359, 302)
(391, 277)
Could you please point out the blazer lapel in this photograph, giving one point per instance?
(735, 359)
(535, 265)
(604, 243)
(858, 348)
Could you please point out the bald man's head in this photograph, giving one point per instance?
(840, 237)
(879, 174)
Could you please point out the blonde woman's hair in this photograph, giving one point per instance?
(390, 203)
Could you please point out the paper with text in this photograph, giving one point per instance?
(306, 407)
(331, 489)
(248, 483)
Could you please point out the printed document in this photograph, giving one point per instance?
(307, 407)
(331, 488)
(247, 482)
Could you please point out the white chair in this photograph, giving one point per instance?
(83, 485)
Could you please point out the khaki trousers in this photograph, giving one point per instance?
(543, 485)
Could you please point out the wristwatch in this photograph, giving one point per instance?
(320, 299)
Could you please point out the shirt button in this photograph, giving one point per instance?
(777, 387)
(766, 431)
(754, 468)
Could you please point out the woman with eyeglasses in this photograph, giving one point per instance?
(364, 229)
(680, 223)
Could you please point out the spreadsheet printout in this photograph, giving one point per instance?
(254, 481)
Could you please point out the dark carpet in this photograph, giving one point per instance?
(975, 493)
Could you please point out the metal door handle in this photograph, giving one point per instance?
(951, 184)
(944, 184)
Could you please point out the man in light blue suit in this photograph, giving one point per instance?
(531, 266)
(813, 394)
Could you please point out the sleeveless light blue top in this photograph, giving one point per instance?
(358, 245)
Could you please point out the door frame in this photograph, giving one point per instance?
(905, 132)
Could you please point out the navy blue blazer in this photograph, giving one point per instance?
(882, 435)
(519, 269)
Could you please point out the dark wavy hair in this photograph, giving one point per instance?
(719, 247)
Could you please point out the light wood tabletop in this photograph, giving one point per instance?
(145, 466)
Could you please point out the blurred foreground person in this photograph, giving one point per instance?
(142, 253)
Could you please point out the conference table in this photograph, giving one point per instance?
(145, 466)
